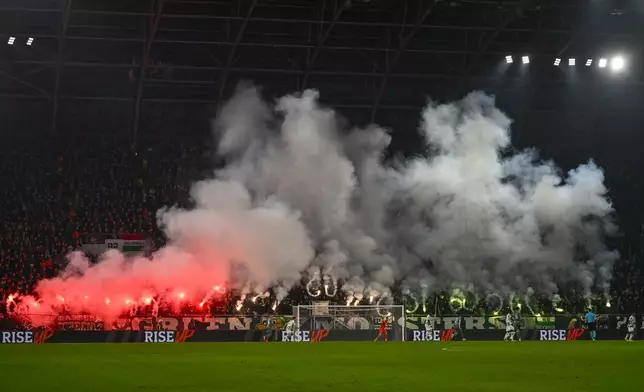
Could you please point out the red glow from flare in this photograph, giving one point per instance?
(174, 279)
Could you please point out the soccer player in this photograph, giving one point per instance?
(517, 324)
(429, 323)
(631, 328)
(290, 330)
(509, 327)
(268, 331)
(382, 331)
(458, 327)
(591, 324)
(573, 322)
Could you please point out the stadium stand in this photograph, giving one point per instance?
(55, 190)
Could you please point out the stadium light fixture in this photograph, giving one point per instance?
(11, 40)
(508, 59)
(589, 62)
(557, 62)
(30, 41)
(602, 63)
(525, 60)
(571, 61)
(617, 63)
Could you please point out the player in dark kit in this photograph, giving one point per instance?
(458, 327)
(268, 331)
(382, 331)
(518, 323)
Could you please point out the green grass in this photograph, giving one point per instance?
(328, 366)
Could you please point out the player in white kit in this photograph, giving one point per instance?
(509, 327)
(631, 327)
(429, 323)
(290, 330)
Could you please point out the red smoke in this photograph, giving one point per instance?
(114, 286)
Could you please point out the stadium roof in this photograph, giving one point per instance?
(367, 55)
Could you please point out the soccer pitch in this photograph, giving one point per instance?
(363, 366)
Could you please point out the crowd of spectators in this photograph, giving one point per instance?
(54, 191)
(629, 290)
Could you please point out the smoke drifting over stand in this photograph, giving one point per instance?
(301, 196)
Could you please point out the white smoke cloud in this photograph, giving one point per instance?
(264, 237)
(301, 195)
(465, 214)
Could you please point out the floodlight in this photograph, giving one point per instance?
(557, 62)
(30, 41)
(508, 59)
(525, 59)
(589, 62)
(603, 63)
(11, 40)
(571, 61)
(617, 63)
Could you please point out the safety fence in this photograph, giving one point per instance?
(238, 322)
(40, 336)
(180, 329)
